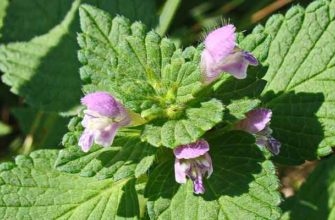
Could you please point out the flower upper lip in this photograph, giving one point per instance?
(103, 117)
(221, 54)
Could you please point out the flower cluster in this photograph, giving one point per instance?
(104, 115)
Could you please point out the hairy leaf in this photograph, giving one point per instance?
(301, 80)
(23, 18)
(127, 157)
(242, 186)
(143, 70)
(184, 131)
(44, 70)
(228, 88)
(32, 189)
(148, 74)
(236, 109)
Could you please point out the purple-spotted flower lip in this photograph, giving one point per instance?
(250, 58)
(194, 162)
(193, 150)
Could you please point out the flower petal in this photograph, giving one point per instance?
(255, 121)
(198, 185)
(106, 136)
(86, 120)
(237, 64)
(189, 151)
(210, 165)
(221, 42)
(180, 170)
(104, 104)
(250, 58)
(86, 140)
(95, 122)
(273, 145)
(207, 62)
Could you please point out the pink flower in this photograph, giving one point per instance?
(257, 122)
(103, 117)
(193, 161)
(222, 55)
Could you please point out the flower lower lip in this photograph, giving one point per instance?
(194, 168)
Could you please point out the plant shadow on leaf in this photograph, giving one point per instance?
(240, 96)
(57, 76)
(117, 164)
(45, 70)
(296, 125)
(236, 159)
(27, 19)
(122, 160)
(128, 207)
(162, 183)
(229, 88)
(131, 157)
(243, 180)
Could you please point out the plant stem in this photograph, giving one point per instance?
(168, 12)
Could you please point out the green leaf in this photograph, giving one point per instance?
(23, 19)
(228, 88)
(184, 131)
(31, 188)
(142, 70)
(315, 199)
(44, 70)
(242, 186)
(4, 129)
(148, 74)
(127, 157)
(237, 109)
(42, 128)
(301, 80)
